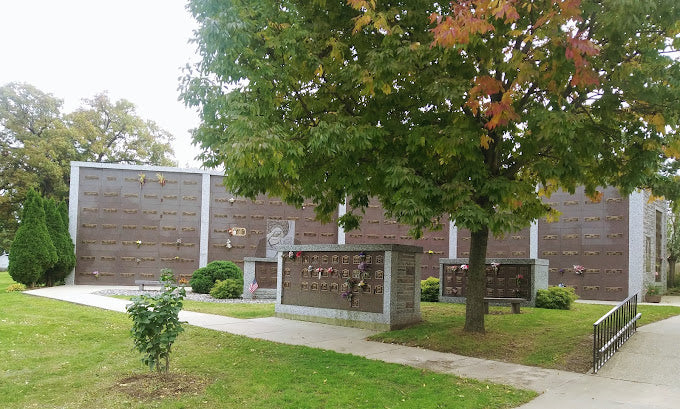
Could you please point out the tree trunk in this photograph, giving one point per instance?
(475, 287)
(671, 272)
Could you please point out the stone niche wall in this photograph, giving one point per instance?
(125, 229)
(241, 227)
(263, 270)
(511, 245)
(591, 233)
(369, 286)
(133, 223)
(512, 278)
(375, 228)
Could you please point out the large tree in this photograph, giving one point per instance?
(112, 132)
(462, 109)
(35, 151)
(38, 142)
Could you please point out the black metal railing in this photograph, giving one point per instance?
(613, 329)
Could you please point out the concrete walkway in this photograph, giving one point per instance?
(641, 375)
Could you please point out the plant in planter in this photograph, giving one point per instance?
(653, 294)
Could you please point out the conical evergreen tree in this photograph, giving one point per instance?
(32, 251)
(69, 248)
(55, 227)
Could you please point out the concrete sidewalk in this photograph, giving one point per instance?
(641, 375)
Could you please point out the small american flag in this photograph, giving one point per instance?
(253, 286)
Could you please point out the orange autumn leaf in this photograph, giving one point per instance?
(485, 141)
(466, 19)
(501, 113)
(596, 197)
(507, 10)
(486, 85)
(578, 50)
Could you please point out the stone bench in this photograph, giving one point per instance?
(142, 283)
(514, 302)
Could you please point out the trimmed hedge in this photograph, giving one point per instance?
(203, 279)
(228, 288)
(429, 289)
(556, 298)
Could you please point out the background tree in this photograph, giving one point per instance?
(32, 250)
(460, 109)
(35, 150)
(111, 132)
(673, 243)
(38, 142)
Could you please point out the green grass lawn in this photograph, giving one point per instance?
(539, 337)
(243, 311)
(61, 355)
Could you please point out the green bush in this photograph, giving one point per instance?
(556, 298)
(156, 324)
(228, 288)
(16, 287)
(203, 279)
(32, 251)
(429, 289)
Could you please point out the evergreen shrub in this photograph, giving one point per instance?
(556, 298)
(69, 256)
(203, 279)
(429, 289)
(32, 251)
(58, 234)
(228, 288)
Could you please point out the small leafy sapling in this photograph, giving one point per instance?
(155, 322)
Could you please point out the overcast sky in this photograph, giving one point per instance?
(134, 49)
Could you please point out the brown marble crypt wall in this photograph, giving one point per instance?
(131, 224)
(593, 234)
(377, 229)
(129, 229)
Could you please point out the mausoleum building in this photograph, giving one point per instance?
(128, 222)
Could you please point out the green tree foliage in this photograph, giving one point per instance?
(38, 141)
(32, 251)
(156, 324)
(111, 132)
(35, 151)
(463, 114)
(62, 243)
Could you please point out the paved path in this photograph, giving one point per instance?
(641, 376)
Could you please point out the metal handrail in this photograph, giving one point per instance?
(613, 330)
